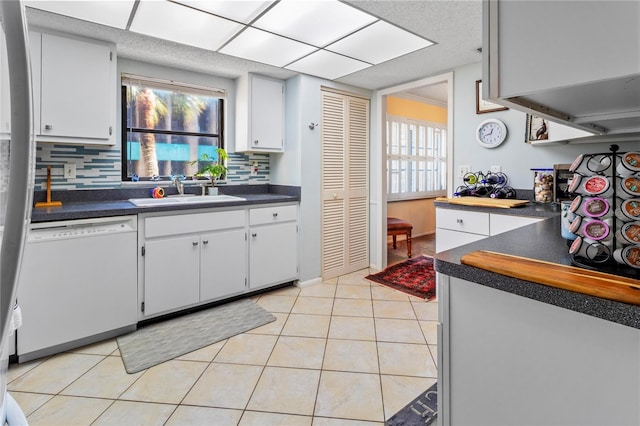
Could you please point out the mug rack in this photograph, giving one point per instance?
(605, 262)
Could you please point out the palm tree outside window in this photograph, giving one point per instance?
(166, 126)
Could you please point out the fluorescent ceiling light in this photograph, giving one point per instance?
(327, 65)
(315, 22)
(175, 22)
(242, 11)
(261, 46)
(105, 12)
(378, 43)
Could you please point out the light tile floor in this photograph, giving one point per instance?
(345, 352)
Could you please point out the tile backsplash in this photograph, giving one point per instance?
(99, 167)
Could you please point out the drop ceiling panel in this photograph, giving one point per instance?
(315, 22)
(261, 46)
(241, 11)
(111, 13)
(182, 24)
(378, 43)
(327, 65)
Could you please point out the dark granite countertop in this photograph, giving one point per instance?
(540, 241)
(87, 204)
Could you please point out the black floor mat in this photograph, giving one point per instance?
(420, 412)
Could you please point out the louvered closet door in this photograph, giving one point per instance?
(345, 202)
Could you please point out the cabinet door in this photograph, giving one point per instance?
(266, 116)
(273, 254)
(171, 274)
(223, 264)
(76, 89)
(447, 239)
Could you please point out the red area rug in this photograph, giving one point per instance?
(414, 276)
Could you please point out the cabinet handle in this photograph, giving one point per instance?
(195, 243)
(255, 142)
(205, 242)
(275, 215)
(335, 195)
(459, 220)
(254, 234)
(48, 127)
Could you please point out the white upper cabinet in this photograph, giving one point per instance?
(259, 114)
(574, 62)
(77, 90)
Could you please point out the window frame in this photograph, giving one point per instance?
(409, 158)
(177, 87)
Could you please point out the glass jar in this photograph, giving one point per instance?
(542, 185)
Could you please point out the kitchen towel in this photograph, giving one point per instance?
(163, 341)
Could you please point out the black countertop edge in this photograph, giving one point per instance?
(89, 204)
(541, 241)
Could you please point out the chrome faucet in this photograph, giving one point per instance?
(177, 182)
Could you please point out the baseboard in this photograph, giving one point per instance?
(307, 283)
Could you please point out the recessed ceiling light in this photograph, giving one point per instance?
(182, 24)
(242, 11)
(111, 13)
(315, 22)
(378, 43)
(327, 65)
(261, 46)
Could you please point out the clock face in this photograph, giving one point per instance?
(491, 133)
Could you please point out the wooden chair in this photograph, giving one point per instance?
(397, 227)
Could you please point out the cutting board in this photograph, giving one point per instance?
(484, 202)
(594, 283)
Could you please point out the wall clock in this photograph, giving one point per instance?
(491, 133)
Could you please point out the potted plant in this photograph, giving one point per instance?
(213, 168)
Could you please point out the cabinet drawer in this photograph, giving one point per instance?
(190, 223)
(462, 220)
(276, 214)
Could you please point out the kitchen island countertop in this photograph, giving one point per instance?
(539, 241)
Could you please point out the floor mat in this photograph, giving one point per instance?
(414, 276)
(421, 411)
(163, 341)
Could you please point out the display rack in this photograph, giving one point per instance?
(607, 263)
(479, 184)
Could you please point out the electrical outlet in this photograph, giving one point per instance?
(463, 170)
(70, 171)
(496, 169)
(254, 168)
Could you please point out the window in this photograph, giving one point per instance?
(166, 126)
(416, 158)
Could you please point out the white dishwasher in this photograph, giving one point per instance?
(78, 284)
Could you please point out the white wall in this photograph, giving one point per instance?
(515, 156)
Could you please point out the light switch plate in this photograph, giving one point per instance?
(70, 171)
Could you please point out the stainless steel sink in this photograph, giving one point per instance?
(181, 200)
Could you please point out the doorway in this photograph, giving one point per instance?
(434, 90)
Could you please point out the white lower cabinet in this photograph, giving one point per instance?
(273, 245)
(223, 264)
(194, 258)
(171, 274)
(455, 228)
(505, 359)
(189, 259)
